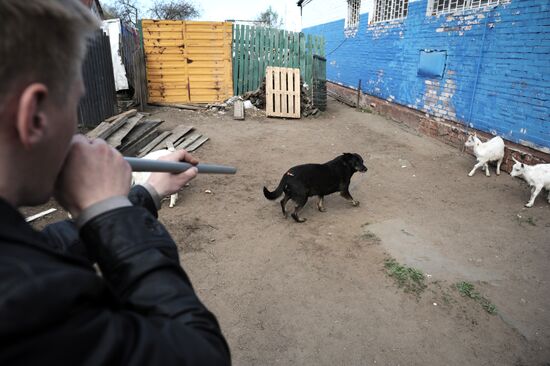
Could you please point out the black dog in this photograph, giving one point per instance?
(303, 181)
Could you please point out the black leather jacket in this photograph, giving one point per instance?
(56, 310)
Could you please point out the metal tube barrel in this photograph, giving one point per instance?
(146, 165)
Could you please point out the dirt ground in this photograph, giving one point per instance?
(318, 293)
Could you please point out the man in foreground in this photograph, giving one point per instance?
(54, 307)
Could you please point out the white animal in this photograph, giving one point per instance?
(492, 150)
(537, 176)
(142, 177)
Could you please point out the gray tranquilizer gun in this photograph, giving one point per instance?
(146, 165)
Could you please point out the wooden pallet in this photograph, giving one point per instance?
(282, 92)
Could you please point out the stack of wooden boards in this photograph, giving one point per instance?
(133, 134)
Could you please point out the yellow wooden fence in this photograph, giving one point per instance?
(188, 61)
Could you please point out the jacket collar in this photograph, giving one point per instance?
(15, 230)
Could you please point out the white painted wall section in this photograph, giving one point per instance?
(319, 12)
(112, 28)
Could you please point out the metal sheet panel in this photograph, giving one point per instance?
(432, 63)
(319, 82)
(99, 102)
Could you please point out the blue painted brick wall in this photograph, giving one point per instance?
(512, 92)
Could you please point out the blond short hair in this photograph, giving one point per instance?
(42, 41)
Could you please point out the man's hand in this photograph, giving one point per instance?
(92, 172)
(168, 183)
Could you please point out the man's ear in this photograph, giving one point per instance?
(31, 120)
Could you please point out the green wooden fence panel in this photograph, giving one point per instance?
(273, 48)
(255, 48)
(264, 53)
(247, 84)
(309, 59)
(235, 53)
(302, 55)
(296, 50)
(253, 61)
(288, 50)
(242, 48)
(257, 59)
(277, 48)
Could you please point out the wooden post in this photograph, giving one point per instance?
(358, 107)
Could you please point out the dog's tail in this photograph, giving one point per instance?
(277, 192)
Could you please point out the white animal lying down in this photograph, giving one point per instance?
(537, 176)
(142, 177)
(492, 150)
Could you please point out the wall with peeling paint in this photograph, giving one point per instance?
(497, 74)
(326, 11)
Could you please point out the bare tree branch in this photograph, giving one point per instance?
(270, 18)
(174, 10)
(126, 10)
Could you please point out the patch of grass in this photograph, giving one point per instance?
(410, 279)
(446, 299)
(529, 220)
(370, 236)
(366, 110)
(468, 290)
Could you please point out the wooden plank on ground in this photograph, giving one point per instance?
(103, 126)
(135, 135)
(128, 113)
(153, 144)
(39, 215)
(191, 107)
(238, 110)
(144, 139)
(188, 141)
(110, 125)
(114, 127)
(195, 145)
(178, 134)
(115, 140)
